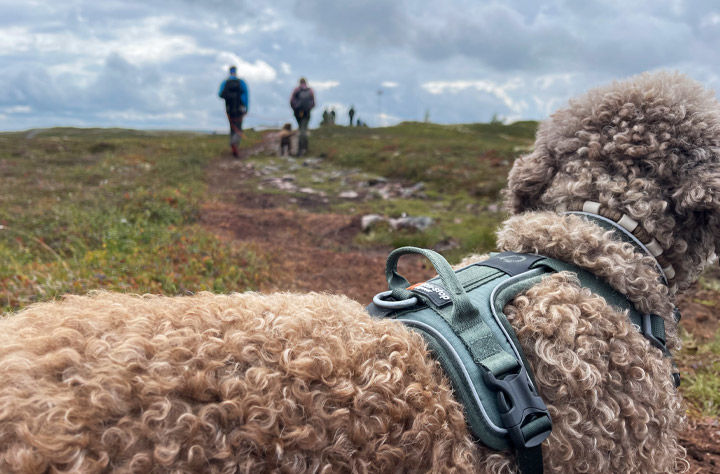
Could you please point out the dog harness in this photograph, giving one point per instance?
(460, 315)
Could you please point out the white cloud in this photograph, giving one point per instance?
(142, 42)
(137, 116)
(547, 81)
(389, 84)
(285, 68)
(323, 85)
(498, 90)
(237, 29)
(711, 20)
(258, 71)
(386, 120)
(17, 109)
(15, 39)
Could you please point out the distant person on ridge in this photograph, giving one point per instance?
(302, 101)
(351, 113)
(235, 92)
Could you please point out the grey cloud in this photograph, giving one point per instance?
(554, 48)
(370, 22)
(515, 36)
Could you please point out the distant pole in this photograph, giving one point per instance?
(379, 94)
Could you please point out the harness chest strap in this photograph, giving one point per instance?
(479, 354)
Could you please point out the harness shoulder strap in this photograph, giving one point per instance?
(651, 326)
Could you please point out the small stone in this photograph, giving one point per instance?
(384, 193)
(447, 244)
(349, 195)
(312, 162)
(369, 220)
(413, 223)
(412, 190)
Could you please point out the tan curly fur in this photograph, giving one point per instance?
(647, 147)
(241, 383)
(310, 383)
(610, 393)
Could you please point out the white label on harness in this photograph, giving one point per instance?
(436, 293)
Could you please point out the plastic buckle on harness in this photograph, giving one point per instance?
(520, 404)
(646, 331)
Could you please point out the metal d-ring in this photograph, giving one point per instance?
(379, 301)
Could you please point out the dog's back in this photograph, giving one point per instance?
(240, 383)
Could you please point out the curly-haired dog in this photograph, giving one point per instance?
(311, 383)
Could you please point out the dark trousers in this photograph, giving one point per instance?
(303, 119)
(235, 129)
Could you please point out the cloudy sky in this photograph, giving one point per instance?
(158, 64)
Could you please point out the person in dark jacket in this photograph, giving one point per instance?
(302, 101)
(235, 92)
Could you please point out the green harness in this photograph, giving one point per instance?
(460, 315)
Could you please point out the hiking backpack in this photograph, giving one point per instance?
(304, 99)
(232, 93)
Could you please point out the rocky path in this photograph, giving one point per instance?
(311, 250)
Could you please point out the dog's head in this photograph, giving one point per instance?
(648, 148)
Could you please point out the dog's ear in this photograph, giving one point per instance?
(528, 178)
(699, 196)
(700, 191)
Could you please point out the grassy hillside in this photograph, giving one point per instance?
(115, 209)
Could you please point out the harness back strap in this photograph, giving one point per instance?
(500, 384)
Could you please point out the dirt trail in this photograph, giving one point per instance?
(314, 251)
(311, 251)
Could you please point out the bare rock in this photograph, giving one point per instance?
(411, 223)
(370, 220)
(414, 190)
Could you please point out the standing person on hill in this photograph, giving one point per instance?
(351, 113)
(302, 101)
(235, 92)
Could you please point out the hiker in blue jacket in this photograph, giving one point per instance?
(235, 92)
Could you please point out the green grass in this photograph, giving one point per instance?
(448, 158)
(115, 209)
(701, 374)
